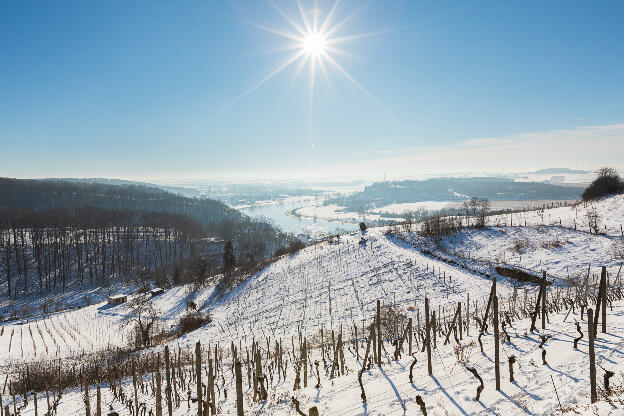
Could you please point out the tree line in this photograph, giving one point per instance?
(45, 251)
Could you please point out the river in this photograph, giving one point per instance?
(277, 212)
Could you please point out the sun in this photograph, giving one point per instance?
(315, 44)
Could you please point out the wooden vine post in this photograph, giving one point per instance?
(538, 302)
(86, 393)
(200, 403)
(461, 329)
(604, 299)
(159, 411)
(489, 304)
(168, 379)
(428, 337)
(600, 306)
(409, 334)
(544, 299)
(378, 333)
(134, 385)
(304, 360)
(496, 344)
(468, 315)
(601, 303)
(239, 389)
(592, 356)
(453, 323)
(98, 402)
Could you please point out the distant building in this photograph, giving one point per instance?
(156, 291)
(557, 179)
(117, 299)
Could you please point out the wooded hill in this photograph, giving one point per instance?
(453, 189)
(56, 234)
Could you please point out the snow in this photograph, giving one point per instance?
(333, 212)
(335, 284)
(451, 389)
(610, 211)
(563, 253)
(402, 208)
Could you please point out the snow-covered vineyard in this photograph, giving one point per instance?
(327, 295)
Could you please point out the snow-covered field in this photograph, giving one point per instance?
(334, 212)
(335, 284)
(68, 334)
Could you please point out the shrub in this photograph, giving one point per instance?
(438, 227)
(293, 247)
(296, 245)
(392, 322)
(593, 218)
(608, 182)
(520, 246)
(192, 321)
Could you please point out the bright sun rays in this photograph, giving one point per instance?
(314, 43)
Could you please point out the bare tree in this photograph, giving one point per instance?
(144, 315)
(593, 219)
(473, 204)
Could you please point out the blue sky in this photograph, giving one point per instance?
(138, 89)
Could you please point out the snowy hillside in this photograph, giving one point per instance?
(334, 286)
(542, 381)
(610, 216)
(326, 285)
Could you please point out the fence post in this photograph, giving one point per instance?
(592, 355)
(496, 344)
(428, 337)
(239, 389)
(198, 375)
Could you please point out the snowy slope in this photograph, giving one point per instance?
(610, 210)
(563, 253)
(537, 390)
(336, 284)
(326, 285)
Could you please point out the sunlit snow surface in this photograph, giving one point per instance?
(336, 284)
